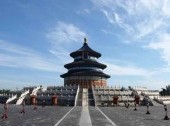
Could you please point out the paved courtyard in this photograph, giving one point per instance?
(128, 117)
(71, 116)
(46, 116)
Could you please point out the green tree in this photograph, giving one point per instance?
(165, 91)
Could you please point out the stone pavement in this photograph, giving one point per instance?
(88, 116)
(97, 118)
(73, 118)
(85, 119)
(128, 117)
(47, 116)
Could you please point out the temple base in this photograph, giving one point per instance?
(85, 83)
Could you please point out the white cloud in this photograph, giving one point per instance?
(147, 77)
(163, 46)
(13, 84)
(137, 18)
(111, 18)
(166, 9)
(65, 33)
(21, 57)
(62, 37)
(146, 21)
(83, 11)
(126, 70)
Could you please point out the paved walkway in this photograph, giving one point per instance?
(85, 119)
(57, 124)
(108, 119)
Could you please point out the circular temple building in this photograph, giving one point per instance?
(85, 71)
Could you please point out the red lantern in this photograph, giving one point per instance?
(115, 99)
(54, 100)
(33, 100)
(137, 99)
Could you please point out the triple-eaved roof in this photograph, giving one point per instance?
(85, 48)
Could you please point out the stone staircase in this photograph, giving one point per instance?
(35, 90)
(14, 97)
(155, 103)
(91, 100)
(22, 97)
(85, 97)
(79, 97)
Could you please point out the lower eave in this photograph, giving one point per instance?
(100, 74)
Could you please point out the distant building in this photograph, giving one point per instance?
(85, 71)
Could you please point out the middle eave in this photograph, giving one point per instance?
(85, 63)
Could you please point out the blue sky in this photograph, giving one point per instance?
(36, 37)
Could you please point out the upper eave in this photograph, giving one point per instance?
(85, 48)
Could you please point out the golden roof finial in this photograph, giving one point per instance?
(85, 40)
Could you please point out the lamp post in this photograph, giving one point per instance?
(136, 101)
(35, 105)
(43, 103)
(23, 109)
(166, 115)
(127, 103)
(135, 106)
(148, 108)
(5, 116)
